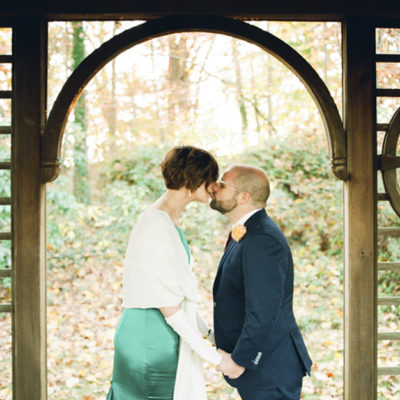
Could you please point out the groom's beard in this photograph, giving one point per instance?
(223, 206)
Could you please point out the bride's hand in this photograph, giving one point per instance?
(228, 367)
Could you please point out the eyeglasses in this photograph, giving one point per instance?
(221, 182)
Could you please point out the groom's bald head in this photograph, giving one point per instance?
(253, 180)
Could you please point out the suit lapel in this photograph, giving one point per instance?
(251, 221)
(221, 263)
(228, 250)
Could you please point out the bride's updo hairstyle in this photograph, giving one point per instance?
(189, 167)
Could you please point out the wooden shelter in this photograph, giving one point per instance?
(355, 159)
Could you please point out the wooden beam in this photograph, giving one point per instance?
(4, 58)
(386, 162)
(389, 301)
(360, 350)
(389, 336)
(6, 308)
(5, 94)
(28, 210)
(5, 165)
(387, 58)
(389, 231)
(389, 162)
(382, 127)
(5, 201)
(383, 197)
(139, 9)
(5, 130)
(389, 266)
(5, 235)
(388, 92)
(389, 371)
(5, 272)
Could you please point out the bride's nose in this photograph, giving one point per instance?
(213, 187)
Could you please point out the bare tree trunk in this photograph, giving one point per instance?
(270, 110)
(255, 99)
(113, 104)
(202, 72)
(110, 107)
(160, 122)
(179, 89)
(239, 87)
(326, 54)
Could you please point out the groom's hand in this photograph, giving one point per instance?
(228, 367)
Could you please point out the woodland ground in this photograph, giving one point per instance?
(86, 244)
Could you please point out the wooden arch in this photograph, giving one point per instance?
(389, 162)
(73, 87)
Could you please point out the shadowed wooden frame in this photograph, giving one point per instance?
(73, 87)
(390, 162)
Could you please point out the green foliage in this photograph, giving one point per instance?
(78, 46)
(306, 201)
(127, 186)
(141, 168)
(81, 182)
(5, 187)
(62, 222)
(81, 178)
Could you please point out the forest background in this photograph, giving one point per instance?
(238, 102)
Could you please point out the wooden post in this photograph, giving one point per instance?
(360, 369)
(28, 209)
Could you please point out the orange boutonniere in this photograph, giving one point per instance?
(238, 232)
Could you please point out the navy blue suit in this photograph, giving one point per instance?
(253, 313)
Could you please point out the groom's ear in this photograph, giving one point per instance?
(244, 198)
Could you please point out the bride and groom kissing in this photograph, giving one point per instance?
(160, 341)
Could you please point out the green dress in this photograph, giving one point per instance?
(146, 352)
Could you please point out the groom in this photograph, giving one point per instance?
(264, 355)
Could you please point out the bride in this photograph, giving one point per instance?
(159, 342)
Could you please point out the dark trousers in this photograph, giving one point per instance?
(289, 391)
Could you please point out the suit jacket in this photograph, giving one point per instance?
(253, 313)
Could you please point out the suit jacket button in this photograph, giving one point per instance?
(215, 304)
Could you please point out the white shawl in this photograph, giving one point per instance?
(157, 274)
